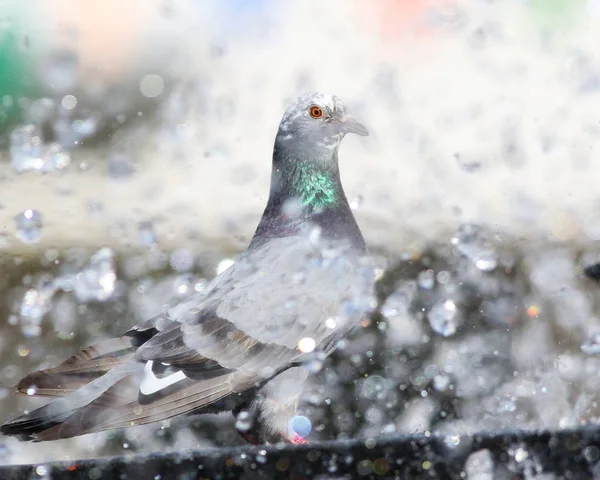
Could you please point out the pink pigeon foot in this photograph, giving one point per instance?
(298, 440)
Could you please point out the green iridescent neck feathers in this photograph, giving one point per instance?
(314, 186)
(316, 189)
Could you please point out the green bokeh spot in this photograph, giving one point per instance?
(558, 12)
(17, 77)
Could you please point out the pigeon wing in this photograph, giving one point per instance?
(260, 308)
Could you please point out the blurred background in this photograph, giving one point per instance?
(135, 150)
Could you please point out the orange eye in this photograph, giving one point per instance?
(316, 112)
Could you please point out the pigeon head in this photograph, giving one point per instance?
(316, 124)
(305, 157)
(306, 188)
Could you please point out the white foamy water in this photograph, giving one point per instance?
(490, 116)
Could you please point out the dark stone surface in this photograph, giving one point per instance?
(593, 271)
(572, 454)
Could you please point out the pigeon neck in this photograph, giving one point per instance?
(309, 177)
(307, 192)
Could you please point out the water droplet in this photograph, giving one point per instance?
(120, 167)
(397, 303)
(96, 282)
(370, 443)
(314, 361)
(485, 260)
(452, 441)
(84, 127)
(41, 470)
(4, 242)
(56, 158)
(374, 387)
(330, 323)
(356, 202)
(261, 457)
(71, 132)
(441, 382)
(183, 285)
(472, 242)
(508, 404)
(29, 226)
(314, 234)
(224, 265)
(300, 425)
(36, 303)
(292, 208)
(306, 345)
(592, 345)
(146, 234)
(182, 260)
(42, 110)
(26, 149)
(244, 421)
(61, 70)
(23, 351)
(29, 153)
(480, 465)
(152, 85)
(298, 278)
(69, 102)
(591, 453)
(521, 454)
(426, 279)
(444, 318)
(443, 277)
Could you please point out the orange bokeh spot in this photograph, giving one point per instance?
(399, 18)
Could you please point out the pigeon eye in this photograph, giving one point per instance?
(316, 112)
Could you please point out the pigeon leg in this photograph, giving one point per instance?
(298, 440)
(251, 437)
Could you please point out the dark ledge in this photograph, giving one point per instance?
(499, 455)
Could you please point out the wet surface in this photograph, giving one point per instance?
(471, 335)
(499, 455)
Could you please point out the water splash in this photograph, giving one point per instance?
(592, 345)
(29, 226)
(26, 149)
(36, 303)
(472, 242)
(146, 234)
(444, 318)
(96, 281)
(244, 421)
(28, 152)
(314, 361)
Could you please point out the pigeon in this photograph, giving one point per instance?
(243, 343)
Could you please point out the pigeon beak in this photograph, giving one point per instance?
(351, 125)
